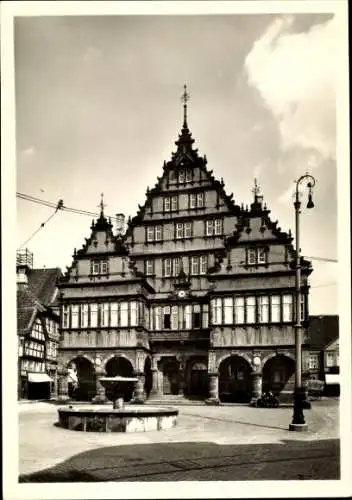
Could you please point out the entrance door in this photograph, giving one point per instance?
(171, 377)
(199, 382)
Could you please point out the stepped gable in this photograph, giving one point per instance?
(101, 242)
(186, 157)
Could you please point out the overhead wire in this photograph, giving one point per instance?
(39, 201)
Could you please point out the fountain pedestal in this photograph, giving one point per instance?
(119, 418)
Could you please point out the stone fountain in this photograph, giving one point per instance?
(119, 418)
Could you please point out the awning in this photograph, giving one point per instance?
(39, 377)
(332, 378)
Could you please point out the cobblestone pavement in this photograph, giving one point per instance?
(209, 443)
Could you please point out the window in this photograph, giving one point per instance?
(158, 233)
(34, 349)
(183, 230)
(157, 322)
(218, 226)
(200, 200)
(84, 315)
(149, 267)
(194, 265)
(167, 267)
(154, 233)
(196, 200)
(261, 256)
(99, 267)
(166, 318)
(124, 314)
(104, 267)
(188, 175)
(179, 230)
(104, 314)
(174, 203)
(65, 316)
(74, 316)
(313, 362)
(228, 310)
(256, 256)
(188, 229)
(192, 200)
(209, 227)
(263, 310)
(250, 310)
(94, 315)
(213, 227)
(170, 203)
(239, 310)
(217, 311)
(95, 267)
(181, 176)
(252, 256)
(330, 359)
(174, 318)
(196, 316)
(37, 330)
(150, 233)
(275, 309)
(203, 264)
(287, 310)
(114, 314)
(176, 266)
(188, 317)
(134, 313)
(205, 315)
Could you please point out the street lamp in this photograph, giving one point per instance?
(298, 422)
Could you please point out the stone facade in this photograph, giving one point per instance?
(195, 298)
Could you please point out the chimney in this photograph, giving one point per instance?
(120, 224)
(24, 262)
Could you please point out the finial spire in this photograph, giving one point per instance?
(256, 189)
(102, 204)
(185, 98)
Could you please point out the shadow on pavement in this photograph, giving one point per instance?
(289, 460)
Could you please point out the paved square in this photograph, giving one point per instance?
(231, 442)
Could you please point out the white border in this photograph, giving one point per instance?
(269, 489)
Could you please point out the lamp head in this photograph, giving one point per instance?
(310, 203)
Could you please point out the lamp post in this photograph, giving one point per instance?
(298, 422)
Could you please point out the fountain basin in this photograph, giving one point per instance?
(127, 419)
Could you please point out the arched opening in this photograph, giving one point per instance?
(198, 379)
(148, 380)
(235, 380)
(278, 375)
(170, 369)
(122, 367)
(81, 384)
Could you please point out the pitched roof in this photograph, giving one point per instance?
(39, 293)
(323, 330)
(27, 304)
(42, 282)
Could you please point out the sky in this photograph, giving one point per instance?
(98, 110)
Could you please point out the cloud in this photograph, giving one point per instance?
(92, 54)
(295, 76)
(30, 151)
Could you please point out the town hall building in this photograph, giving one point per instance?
(195, 298)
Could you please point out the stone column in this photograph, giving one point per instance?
(257, 383)
(62, 384)
(53, 387)
(100, 396)
(155, 390)
(213, 389)
(139, 394)
(182, 367)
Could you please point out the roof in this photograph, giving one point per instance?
(323, 330)
(40, 293)
(42, 282)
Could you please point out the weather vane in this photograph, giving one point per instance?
(256, 188)
(102, 204)
(185, 98)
